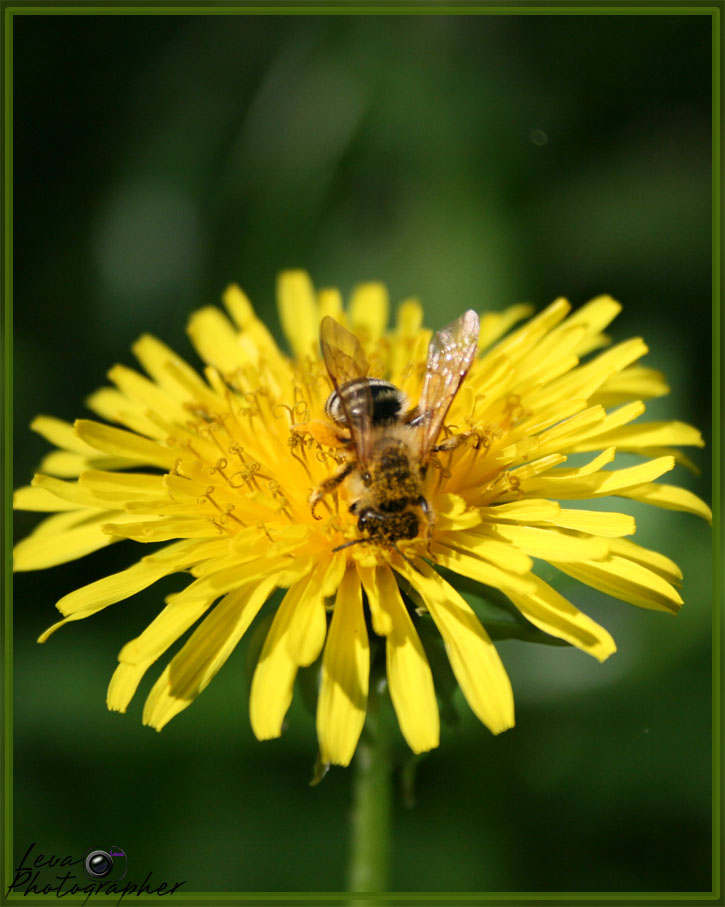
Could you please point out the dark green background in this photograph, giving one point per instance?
(473, 161)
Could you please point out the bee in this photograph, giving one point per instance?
(386, 444)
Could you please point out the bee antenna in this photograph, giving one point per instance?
(353, 542)
(406, 558)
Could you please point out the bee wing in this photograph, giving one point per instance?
(450, 354)
(345, 361)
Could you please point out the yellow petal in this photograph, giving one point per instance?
(72, 492)
(596, 522)
(114, 489)
(619, 417)
(61, 434)
(147, 394)
(553, 544)
(484, 543)
(118, 586)
(573, 484)
(329, 302)
(472, 655)
(274, 676)
(661, 565)
(31, 497)
(126, 444)
(163, 529)
(168, 625)
(495, 324)
(111, 405)
(597, 434)
(554, 355)
(238, 305)
(298, 313)
(380, 616)
(96, 596)
(468, 563)
(408, 318)
(646, 434)
(67, 465)
(628, 581)
(529, 470)
(343, 694)
(369, 311)
(532, 510)
(137, 656)
(491, 376)
(596, 314)
(40, 550)
(123, 684)
(61, 522)
(215, 340)
(518, 344)
(452, 512)
(585, 380)
(553, 614)
(166, 367)
(669, 497)
(558, 437)
(192, 669)
(216, 577)
(543, 417)
(409, 676)
(308, 623)
(634, 383)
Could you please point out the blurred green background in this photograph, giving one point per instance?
(473, 161)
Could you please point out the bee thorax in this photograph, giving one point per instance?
(355, 397)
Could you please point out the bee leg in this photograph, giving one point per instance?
(322, 432)
(404, 556)
(413, 417)
(328, 486)
(430, 516)
(451, 443)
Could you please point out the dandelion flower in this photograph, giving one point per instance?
(220, 470)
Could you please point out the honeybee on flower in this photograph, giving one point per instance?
(228, 473)
(390, 446)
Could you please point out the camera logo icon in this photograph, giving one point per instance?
(106, 864)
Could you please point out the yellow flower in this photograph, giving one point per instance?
(221, 470)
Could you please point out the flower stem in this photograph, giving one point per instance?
(370, 845)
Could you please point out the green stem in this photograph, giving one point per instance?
(370, 845)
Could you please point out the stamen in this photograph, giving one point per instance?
(296, 439)
(207, 497)
(217, 525)
(240, 478)
(188, 445)
(228, 512)
(220, 465)
(263, 527)
(514, 408)
(275, 490)
(199, 410)
(286, 407)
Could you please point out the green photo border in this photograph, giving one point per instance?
(375, 7)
